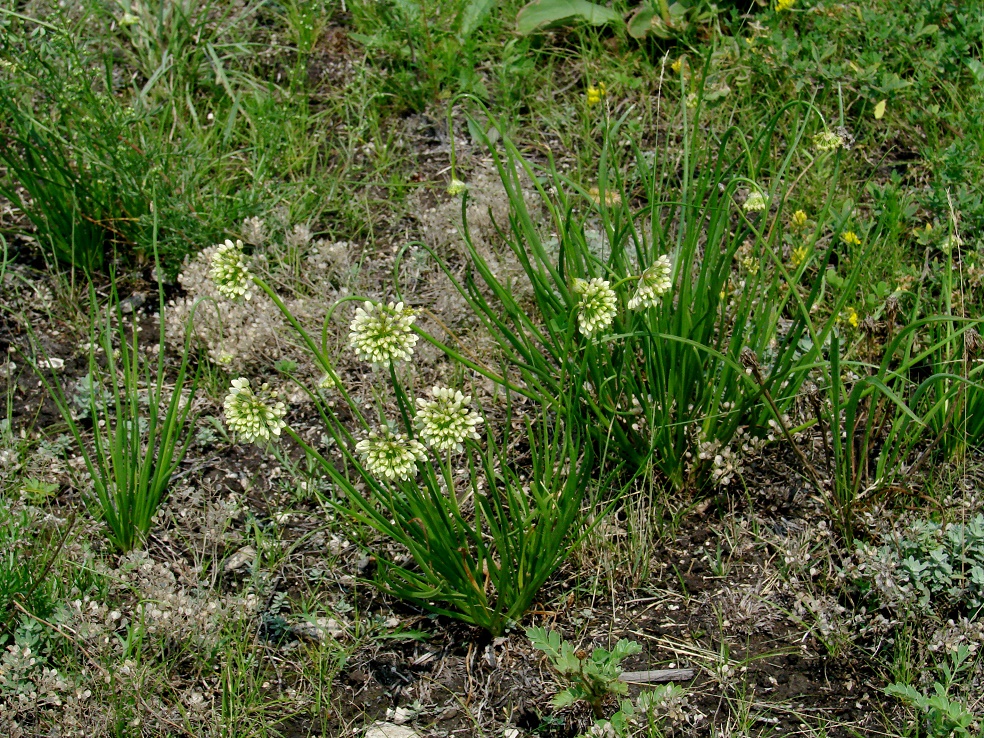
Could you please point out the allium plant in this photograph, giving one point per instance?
(652, 326)
(142, 423)
(482, 536)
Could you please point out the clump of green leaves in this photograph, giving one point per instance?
(480, 544)
(945, 714)
(591, 679)
(660, 363)
(651, 711)
(141, 426)
(930, 565)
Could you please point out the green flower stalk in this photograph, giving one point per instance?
(653, 284)
(383, 334)
(230, 271)
(445, 421)
(391, 455)
(597, 306)
(254, 416)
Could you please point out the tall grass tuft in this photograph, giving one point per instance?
(141, 424)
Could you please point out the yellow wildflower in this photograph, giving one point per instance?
(798, 256)
(782, 5)
(851, 317)
(850, 238)
(799, 219)
(595, 94)
(677, 65)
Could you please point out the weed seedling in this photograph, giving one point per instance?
(590, 678)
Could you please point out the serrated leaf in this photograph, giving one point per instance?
(880, 109)
(541, 13)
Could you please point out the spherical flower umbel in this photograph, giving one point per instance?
(391, 455)
(596, 308)
(653, 284)
(230, 271)
(456, 187)
(445, 421)
(382, 334)
(828, 141)
(253, 416)
(755, 202)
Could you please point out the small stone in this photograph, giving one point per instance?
(390, 730)
(133, 302)
(241, 559)
(401, 715)
(52, 362)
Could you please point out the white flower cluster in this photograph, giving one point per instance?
(755, 202)
(391, 455)
(230, 271)
(653, 284)
(383, 334)
(596, 308)
(253, 416)
(444, 421)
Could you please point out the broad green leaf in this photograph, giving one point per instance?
(977, 69)
(475, 12)
(540, 13)
(643, 21)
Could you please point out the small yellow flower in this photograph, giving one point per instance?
(595, 94)
(799, 255)
(850, 238)
(782, 5)
(799, 219)
(852, 318)
(677, 65)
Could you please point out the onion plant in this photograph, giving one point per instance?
(477, 532)
(651, 317)
(142, 424)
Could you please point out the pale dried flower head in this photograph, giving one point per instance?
(254, 231)
(445, 421)
(597, 306)
(383, 334)
(391, 455)
(300, 236)
(612, 198)
(230, 271)
(253, 416)
(653, 284)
